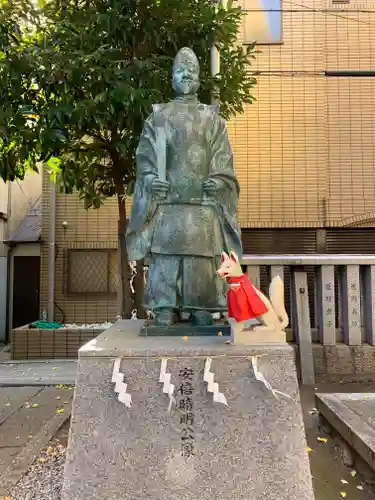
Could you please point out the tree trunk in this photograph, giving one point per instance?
(139, 289)
(126, 303)
(126, 299)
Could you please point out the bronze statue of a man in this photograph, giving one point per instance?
(185, 201)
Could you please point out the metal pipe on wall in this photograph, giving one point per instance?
(51, 253)
(215, 55)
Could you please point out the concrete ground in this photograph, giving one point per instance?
(331, 478)
(29, 418)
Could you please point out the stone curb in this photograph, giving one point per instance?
(31, 451)
(38, 373)
(18, 382)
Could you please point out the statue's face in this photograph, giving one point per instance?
(185, 78)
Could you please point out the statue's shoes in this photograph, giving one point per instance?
(202, 318)
(165, 317)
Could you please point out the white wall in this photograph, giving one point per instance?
(3, 197)
(23, 195)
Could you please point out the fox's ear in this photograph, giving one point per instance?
(233, 256)
(224, 257)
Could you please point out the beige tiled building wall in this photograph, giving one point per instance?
(304, 150)
(91, 229)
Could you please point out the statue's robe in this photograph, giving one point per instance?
(183, 235)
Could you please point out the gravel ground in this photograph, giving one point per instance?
(43, 481)
(45, 477)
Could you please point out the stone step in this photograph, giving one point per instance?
(352, 416)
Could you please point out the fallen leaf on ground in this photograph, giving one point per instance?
(309, 450)
(343, 493)
(35, 405)
(353, 473)
(8, 404)
(344, 481)
(220, 334)
(42, 460)
(60, 410)
(322, 440)
(360, 487)
(54, 368)
(185, 338)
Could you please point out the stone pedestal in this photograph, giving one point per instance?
(252, 449)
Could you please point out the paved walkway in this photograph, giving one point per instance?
(32, 410)
(37, 373)
(29, 418)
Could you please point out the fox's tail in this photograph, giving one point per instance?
(277, 300)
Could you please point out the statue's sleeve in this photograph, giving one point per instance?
(222, 169)
(222, 165)
(139, 232)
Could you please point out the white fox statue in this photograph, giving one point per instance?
(246, 302)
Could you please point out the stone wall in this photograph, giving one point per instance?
(342, 363)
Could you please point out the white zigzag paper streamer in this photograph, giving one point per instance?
(259, 376)
(211, 385)
(121, 387)
(165, 379)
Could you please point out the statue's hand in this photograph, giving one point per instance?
(211, 187)
(160, 188)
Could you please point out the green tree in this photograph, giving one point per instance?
(97, 67)
(18, 89)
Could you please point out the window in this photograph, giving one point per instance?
(263, 21)
(92, 271)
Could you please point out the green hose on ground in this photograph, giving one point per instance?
(45, 325)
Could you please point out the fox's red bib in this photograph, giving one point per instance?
(243, 301)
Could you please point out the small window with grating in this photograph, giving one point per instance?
(340, 1)
(92, 271)
(262, 21)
